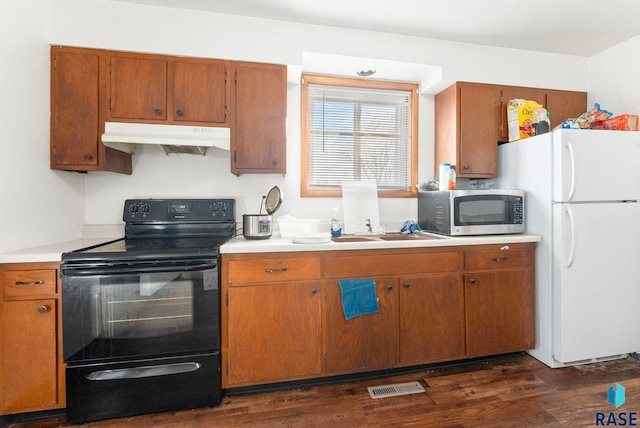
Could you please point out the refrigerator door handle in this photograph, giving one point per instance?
(572, 163)
(572, 236)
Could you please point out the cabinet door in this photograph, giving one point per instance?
(29, 360)
(431, 318)
(563, 105)
(259, 135)
(274, 332)
(198, 91)
(138, 88)
(500, 311)
(479, 133)
(366, 342)
(513, 92)
(74, 110)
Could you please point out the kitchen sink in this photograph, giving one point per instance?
(408, 236)
(350, 238)
(395, 236)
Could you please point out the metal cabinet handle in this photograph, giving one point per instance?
(390, 287)
(314, 291)
(157, 111)
(500, 259)
(21, 283)
(472, 280)
(43, 309)
(467, 167)
(88, 157)
(274, 162)
(407, 285)
(269, 270)
(179, 112)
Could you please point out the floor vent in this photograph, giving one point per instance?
(395, 389)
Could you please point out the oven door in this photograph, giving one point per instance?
(127, 311)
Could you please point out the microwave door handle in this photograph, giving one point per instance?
(116, 270)
(572, 237)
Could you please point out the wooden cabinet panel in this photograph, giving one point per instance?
(138, 88)
(389, 263)
(273, 269)
(29, 360)
(499, 257)
(563, 105)
(74, 112)
(431, 319)
(479, 137)
(273, 332)
(500, 312)
(363, 343)
(258, 143)
(466, 129)
(78, 105)
(29, 282)
(198, 91)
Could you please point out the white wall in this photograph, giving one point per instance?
(614, 80)
(37, 206)
(121, 26)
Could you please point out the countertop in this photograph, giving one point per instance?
(277, 244)
(53, 252)
(50, 253)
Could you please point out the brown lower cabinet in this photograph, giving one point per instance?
(31, 372)
(282, 319)
(363, 343)
(431, 318)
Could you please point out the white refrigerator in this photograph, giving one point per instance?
(582, 192)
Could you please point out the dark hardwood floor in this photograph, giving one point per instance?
(517, 391)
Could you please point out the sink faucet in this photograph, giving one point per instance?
(368, 224)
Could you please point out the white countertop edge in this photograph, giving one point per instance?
(240, 245)
(50, 253)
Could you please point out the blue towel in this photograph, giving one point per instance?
(410, 226)
(358, 297)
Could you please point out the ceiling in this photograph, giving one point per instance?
(581, 28)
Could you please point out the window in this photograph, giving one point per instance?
(355, 129)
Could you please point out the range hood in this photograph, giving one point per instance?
(172, 138)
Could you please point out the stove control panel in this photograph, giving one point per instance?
(178, 210)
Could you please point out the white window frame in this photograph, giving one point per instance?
(307, 189)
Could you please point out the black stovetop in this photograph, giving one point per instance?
(163, 229)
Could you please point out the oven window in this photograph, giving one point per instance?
(481, 210)
(148, 314)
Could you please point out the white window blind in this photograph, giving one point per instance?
(358, 134)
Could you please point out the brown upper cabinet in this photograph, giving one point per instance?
(77, 116)
(90, 87)
(152, 88)
(258, 136)
(471, 120)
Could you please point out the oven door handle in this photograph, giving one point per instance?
(132, 270)
(144, 371)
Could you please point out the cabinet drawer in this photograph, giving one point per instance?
(390, 264)
(265, 270)
(29, 282)
(504, 257)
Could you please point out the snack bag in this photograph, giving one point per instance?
(623, 122)
(588, 118)
(520, 118)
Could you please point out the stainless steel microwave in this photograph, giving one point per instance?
(472, 212)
